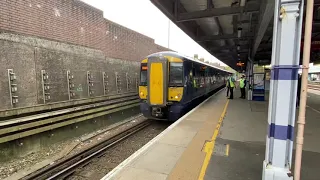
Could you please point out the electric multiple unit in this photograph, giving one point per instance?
(171, 84)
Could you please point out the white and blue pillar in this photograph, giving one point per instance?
(288, 16)
(249, 78)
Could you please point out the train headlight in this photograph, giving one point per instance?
(177, 96)
(141, 93)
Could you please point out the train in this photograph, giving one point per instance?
(171, 84)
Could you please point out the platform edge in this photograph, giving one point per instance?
(117, 169)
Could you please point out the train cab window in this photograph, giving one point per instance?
(143, 75)
(176, 74)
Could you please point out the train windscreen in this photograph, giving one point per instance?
(176, 74)
(144, 74)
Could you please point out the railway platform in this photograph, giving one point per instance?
(220, 139)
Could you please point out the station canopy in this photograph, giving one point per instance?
(233, 30)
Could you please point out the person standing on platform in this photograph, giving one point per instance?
(231, 86)
(242, 85)
(228, 86)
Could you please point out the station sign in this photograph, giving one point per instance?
(240, 64)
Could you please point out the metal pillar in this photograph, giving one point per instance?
(249, 78)
(288, 15)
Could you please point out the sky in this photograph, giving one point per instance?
(142, 16)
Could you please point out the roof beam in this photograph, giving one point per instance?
(315, 22)
(266, 14)
(247, 22)
(221, 37)
(264, 46)
(264, 53)
(225, 55)
(262, 57)
(232, 57)
(230, 54)
(218, 48)
(210, 5)
(216, 12)
(235, 19)
(176, 8)
(242, 47)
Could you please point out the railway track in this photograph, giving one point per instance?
(24, 124)
(65, 167)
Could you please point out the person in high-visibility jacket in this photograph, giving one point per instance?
(242, 84)
(231, 86)
(194, 83)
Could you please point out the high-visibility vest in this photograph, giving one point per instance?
(241, 83)
(231, 82)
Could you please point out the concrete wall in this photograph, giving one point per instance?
(27, 56)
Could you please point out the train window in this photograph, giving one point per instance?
(176, 74)
(144, 75)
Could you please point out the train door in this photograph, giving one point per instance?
(157, 81)
(189, 89)
(194, 78)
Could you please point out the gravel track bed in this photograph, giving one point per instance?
(20, 164)
(15, 165)
(100, 166)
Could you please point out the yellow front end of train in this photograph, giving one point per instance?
(161, 85)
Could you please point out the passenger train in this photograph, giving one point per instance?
(172, 84)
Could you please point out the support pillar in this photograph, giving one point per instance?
(249, 78)
(288, 15)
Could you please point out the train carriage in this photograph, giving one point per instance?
(171, 84)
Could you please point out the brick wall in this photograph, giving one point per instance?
(124, 43)
(75, 22)
(61, 20)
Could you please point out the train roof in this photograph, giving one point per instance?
(177, 55)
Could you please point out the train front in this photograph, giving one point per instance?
(161, 87)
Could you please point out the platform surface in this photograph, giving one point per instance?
(219, 140)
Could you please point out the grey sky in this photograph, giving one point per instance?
(143, 17)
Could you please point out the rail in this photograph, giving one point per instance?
(26, 125)
(67, 166)
(59, 105)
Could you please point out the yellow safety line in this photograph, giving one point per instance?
(213, 139)
(227, 150)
